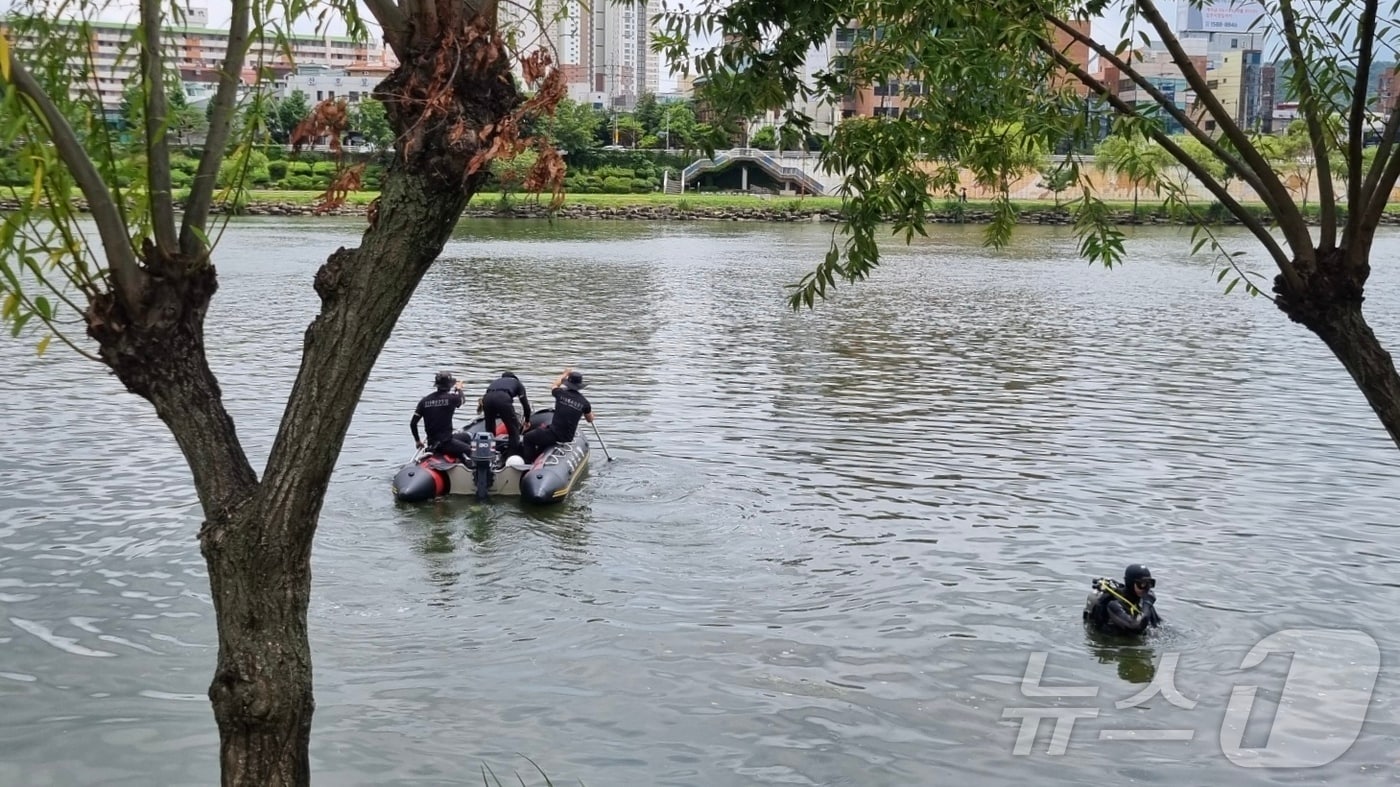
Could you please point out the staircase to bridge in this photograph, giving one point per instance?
(795, 177)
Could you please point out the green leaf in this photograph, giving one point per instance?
(19, 323)
(43, 345)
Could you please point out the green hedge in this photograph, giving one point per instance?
(632, 172)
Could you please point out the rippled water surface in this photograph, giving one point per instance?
(828, 548)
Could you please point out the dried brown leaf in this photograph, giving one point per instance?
(346, 180)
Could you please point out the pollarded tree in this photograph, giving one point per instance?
(997, 62)
(142, 295)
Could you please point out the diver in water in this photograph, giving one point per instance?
(1127, 608)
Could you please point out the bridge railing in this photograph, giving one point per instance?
(772, 165)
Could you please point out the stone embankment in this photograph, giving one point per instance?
(779, 211)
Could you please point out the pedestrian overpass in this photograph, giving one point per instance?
(793, 177)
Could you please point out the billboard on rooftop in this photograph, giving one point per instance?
(1218, 16)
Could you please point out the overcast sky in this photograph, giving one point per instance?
(219, 11)
(1106, 28)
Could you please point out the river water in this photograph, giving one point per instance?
(829, 549)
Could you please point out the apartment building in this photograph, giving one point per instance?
(197, 53)
(894, 95)
(1245, 86)
(1159, 68)
(604, 50)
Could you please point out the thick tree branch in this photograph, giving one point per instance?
(220, 127)
(1359, 247)
(394, 24)
(363, 291)
(1234, 163)
(1289, 217)
(1280, 257)
(487, 9)
(157, 151)
(128, 277)
(1307, 101)
(1356, 125)
(1382, 159)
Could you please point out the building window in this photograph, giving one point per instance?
(320, 95)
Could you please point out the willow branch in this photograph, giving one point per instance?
(394, 24)
(1250, 221)
(1356, 125)
(1382, 159)
(201, 197)
(1307, 100)
(1360, 246)
(128, 277)
(1220, 151)
(1289, 217)
(157, 151)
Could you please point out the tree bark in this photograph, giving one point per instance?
(262, 687)
(450, 97)
(1329, 304)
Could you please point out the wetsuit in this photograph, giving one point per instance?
(1110, 614)
(569, 406)
(435, 411)
(499, 403)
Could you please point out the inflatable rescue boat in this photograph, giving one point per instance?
(549, 479)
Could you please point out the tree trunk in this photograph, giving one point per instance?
(447, 103)
(1330, 306)
(262, 689)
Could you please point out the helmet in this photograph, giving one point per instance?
(1136, 573)
(575, 381)
(444, 380)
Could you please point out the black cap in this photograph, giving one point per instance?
(444, 379)
(510, 375)
(575, 381)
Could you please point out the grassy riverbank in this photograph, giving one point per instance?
(658, 206)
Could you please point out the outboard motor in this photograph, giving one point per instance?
(483, 453)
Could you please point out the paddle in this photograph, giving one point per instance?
(600, 441)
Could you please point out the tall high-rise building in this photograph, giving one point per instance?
(623, 66)
(604, 52)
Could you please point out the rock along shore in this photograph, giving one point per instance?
(757, 213)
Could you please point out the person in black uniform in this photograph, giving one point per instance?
(498, 402)
(435, 411)
(1129, 608)
(569, 406)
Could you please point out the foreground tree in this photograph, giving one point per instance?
(143, 295)
(1003, 62)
